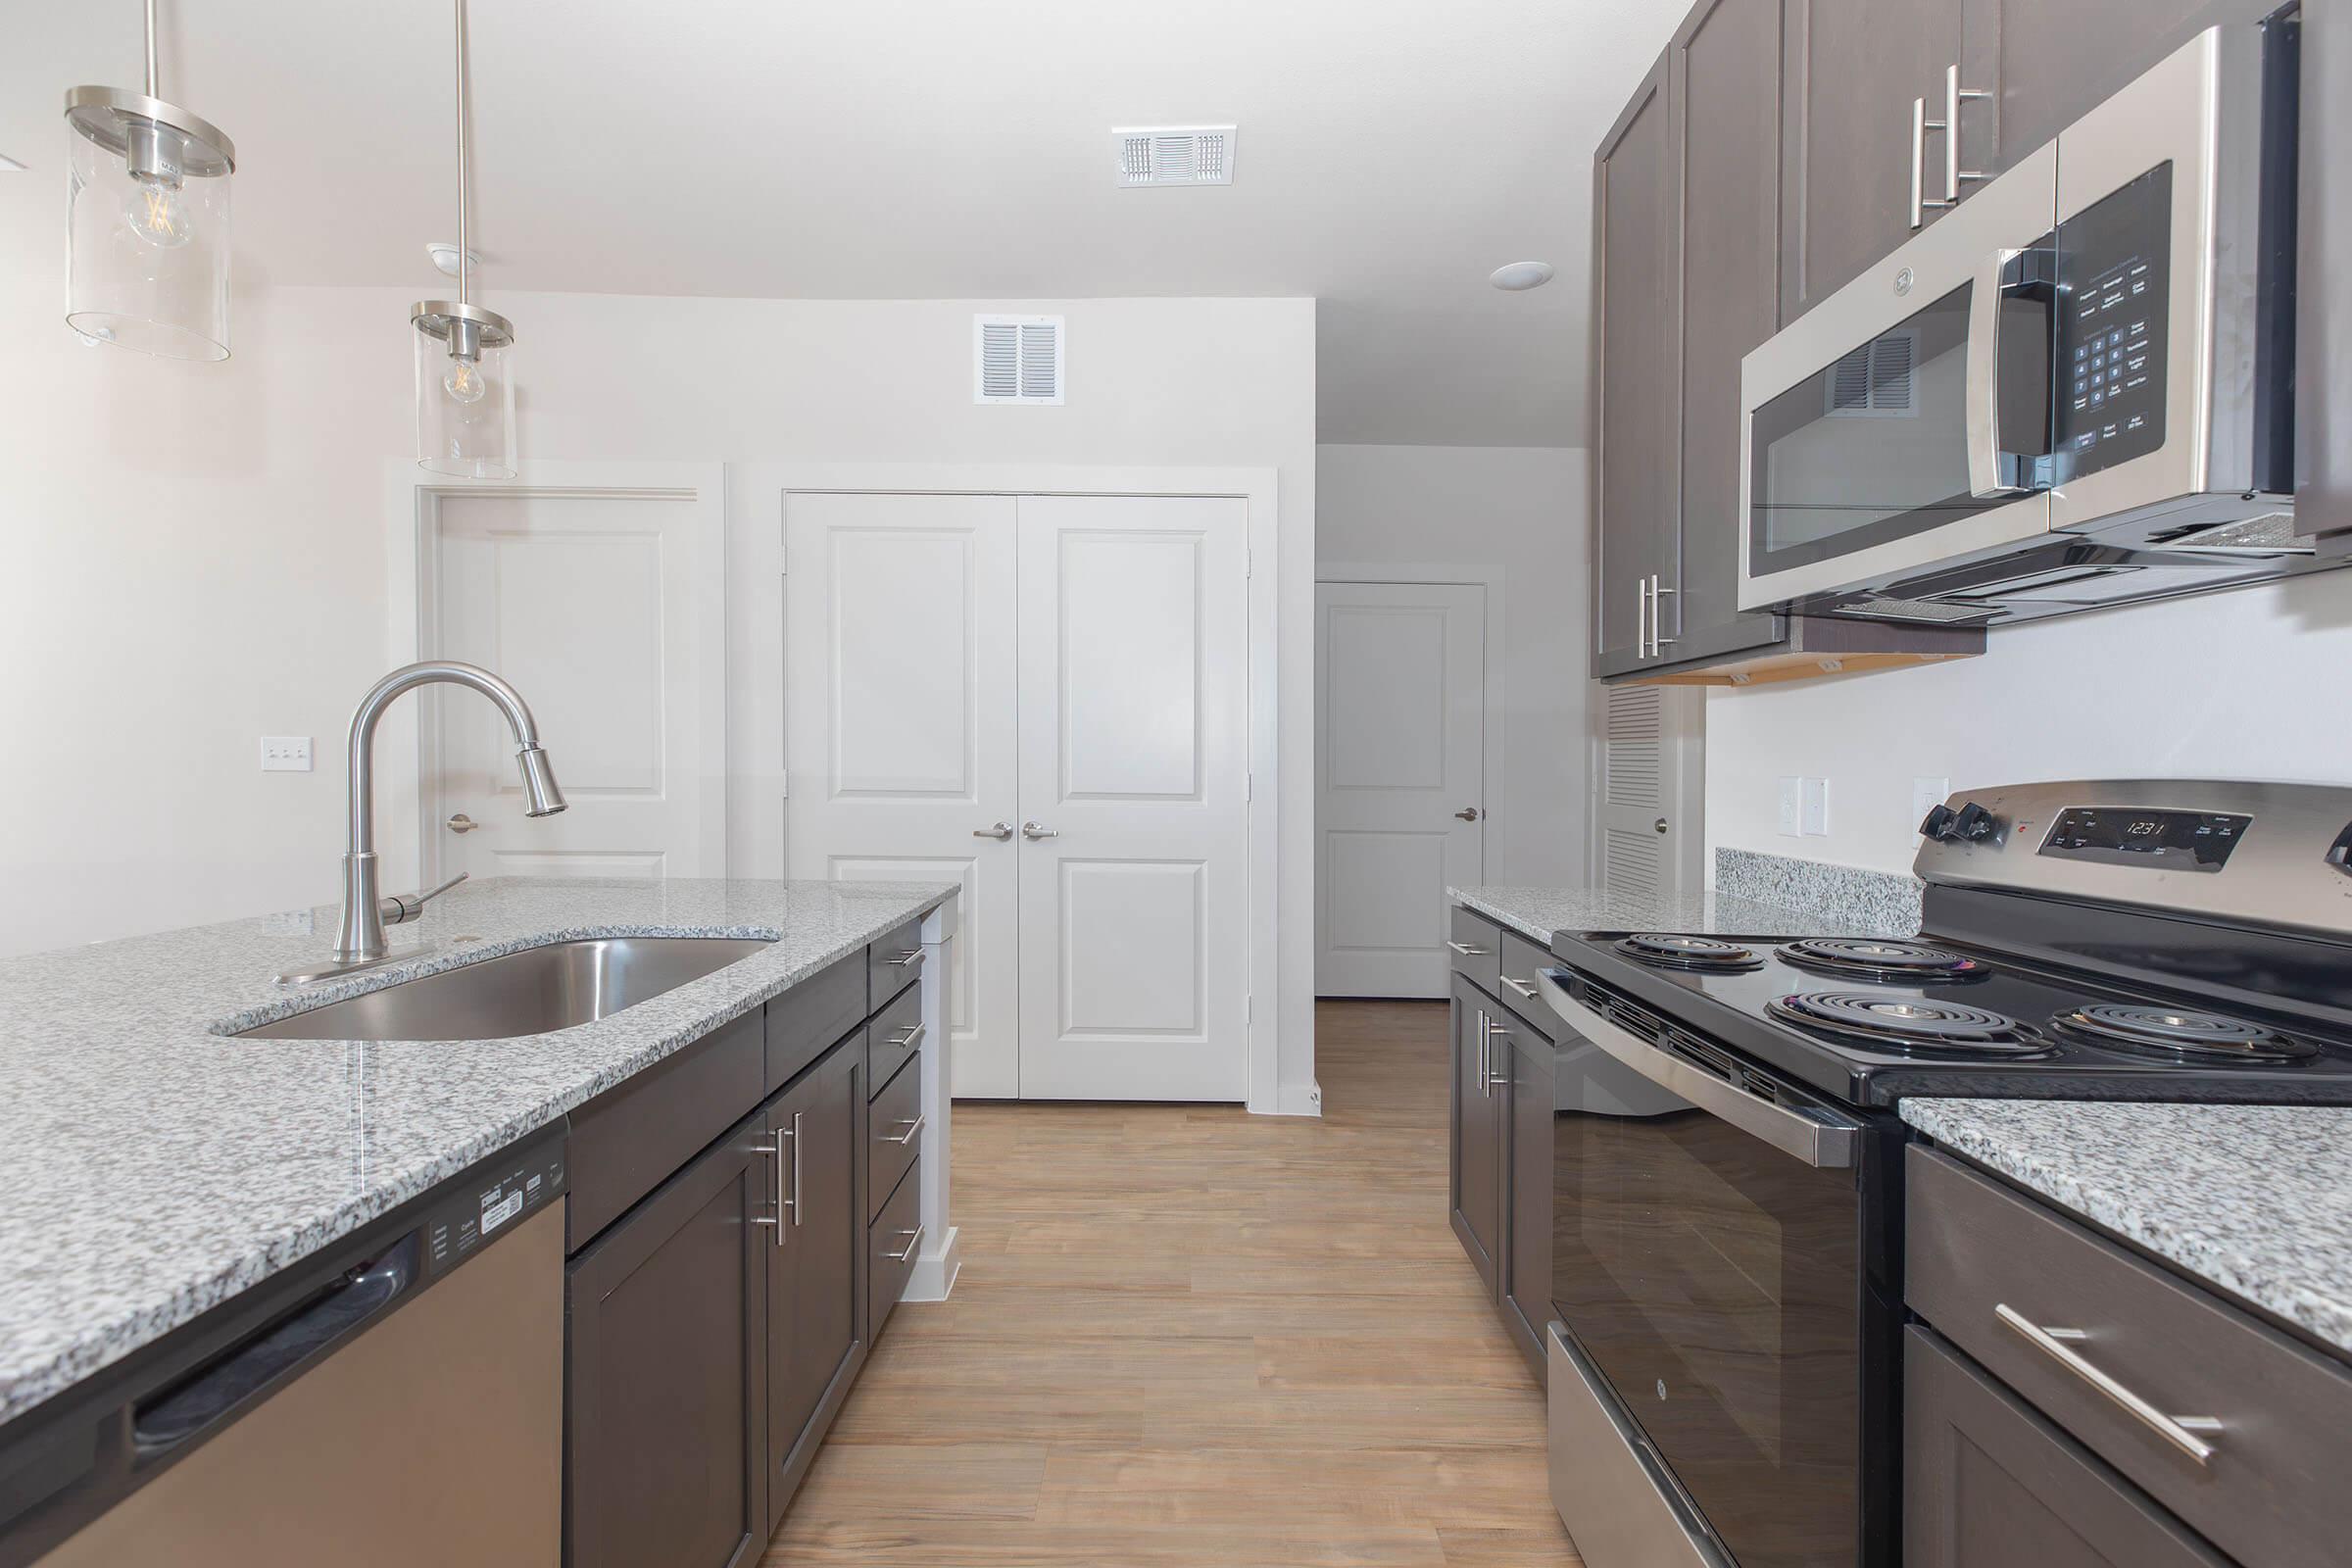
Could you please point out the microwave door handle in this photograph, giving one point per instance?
(1823, 1142)
(1984, 476)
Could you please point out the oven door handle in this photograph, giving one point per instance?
(1820, 1141)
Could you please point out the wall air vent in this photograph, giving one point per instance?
(1016, 358)
(1877, 379)
(1174, 155)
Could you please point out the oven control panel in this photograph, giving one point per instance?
(2113, 295)
(2160, 840)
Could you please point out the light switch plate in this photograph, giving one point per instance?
(1792, 808)
(285, 754)
(1927, 794)
(1816, 812)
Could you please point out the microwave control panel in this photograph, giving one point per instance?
(2114, 300)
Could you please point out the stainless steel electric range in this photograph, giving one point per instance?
(1727, 1203)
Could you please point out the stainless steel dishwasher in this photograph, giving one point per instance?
(407, 1408)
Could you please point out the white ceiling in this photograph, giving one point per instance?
(1391, 155)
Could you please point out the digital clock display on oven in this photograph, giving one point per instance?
(2177, 841)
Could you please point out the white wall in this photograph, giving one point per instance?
(2245, 684)
(1521, 512)
(197, 554)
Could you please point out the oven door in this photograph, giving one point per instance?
(1709, 1259)
(1906, 421)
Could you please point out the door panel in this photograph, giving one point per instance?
(1399, 749)
(1853, 69)
(1637, 527)
(591, 607)
(1133, 705)
(901, 728)
(813, 1259)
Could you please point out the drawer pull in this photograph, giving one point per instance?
(1467, 951)
(914, 1239)
(907, 1040)
(914, 1130)
(2181, 1431)
(913, 955)
(1526, 992)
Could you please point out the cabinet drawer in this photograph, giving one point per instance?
(1519, 962)
(894, 1134)
(896, 1237)
(892, 962)
(804, 1022)
(628, 1140)
(893, 1038)
(1476, 945)
(2268, 1493)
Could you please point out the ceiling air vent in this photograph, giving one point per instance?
(1174, 155)
(1017, 358)
(1877, 379)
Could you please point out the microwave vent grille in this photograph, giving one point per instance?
(1909, 610)
(2273, 531)
(1878, 380)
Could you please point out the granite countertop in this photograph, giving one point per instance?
(1538, 912)
(2254, 1199)
(151, 1168)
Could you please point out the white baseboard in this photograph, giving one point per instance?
(1298, 1100)
(935, 1273)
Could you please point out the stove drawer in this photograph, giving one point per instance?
(1995, 1272)
(1474, 944)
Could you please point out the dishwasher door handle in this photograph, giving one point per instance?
(224, 1385)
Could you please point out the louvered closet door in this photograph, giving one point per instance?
(1646, 791)
(1133, 740)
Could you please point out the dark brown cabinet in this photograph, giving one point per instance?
(1637, 538)
(1989, 1483)
(666, 1372)
(814, 1256)
(1476, 1147)
(1527, 1242)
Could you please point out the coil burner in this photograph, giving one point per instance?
(1907, 1023)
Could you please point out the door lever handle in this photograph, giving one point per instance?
(999, 831)
(1469, 813)
(1038, 830)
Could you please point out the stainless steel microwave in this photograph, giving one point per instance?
(2074, 390)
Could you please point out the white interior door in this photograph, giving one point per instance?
(901, 729)
(1649, 790)
(605, 612)
(1399, 779)
(1134, 712)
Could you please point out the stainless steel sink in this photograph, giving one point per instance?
(528, 993)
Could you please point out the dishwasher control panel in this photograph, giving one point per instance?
(518, 1184)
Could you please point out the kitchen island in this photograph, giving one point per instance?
(157, 1171)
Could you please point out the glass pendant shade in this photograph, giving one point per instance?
(147, 225)
(465, 390)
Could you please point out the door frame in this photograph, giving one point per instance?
(756, 781)
(1494, 711)
(408, 748)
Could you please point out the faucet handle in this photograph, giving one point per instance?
(402, 907)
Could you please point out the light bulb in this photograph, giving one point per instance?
(465, 383)
(155, 213)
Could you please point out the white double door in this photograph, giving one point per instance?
(1043, 698)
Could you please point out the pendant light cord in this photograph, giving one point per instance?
(154, 84)
(464, 235)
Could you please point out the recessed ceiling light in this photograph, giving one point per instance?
(1519, 276)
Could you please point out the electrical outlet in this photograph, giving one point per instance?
(1791, 806)
(285, 754)
(1927, 794)
(1816, 812)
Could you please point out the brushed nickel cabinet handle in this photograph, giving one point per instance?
(2181, 1431)
(1494, 1031)
(1657, 644)
(775, 1154)
(1466, 950)
(1954, 95)
(914, 1239)
(795, 1135)
(1520, 988)
(913, 955)
(914, 1130)
(912, 1038)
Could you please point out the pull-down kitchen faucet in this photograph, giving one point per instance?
(360, 937)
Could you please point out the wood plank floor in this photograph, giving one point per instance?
(1185, 1334)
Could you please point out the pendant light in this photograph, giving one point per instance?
(465, 359)
(146, 220)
